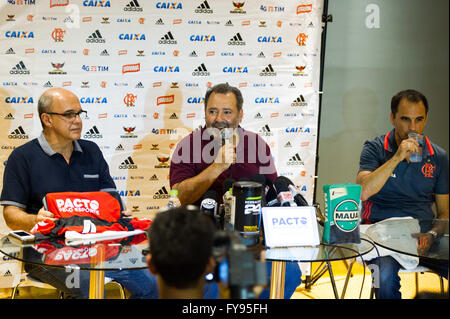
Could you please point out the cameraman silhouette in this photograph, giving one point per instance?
(181, 242)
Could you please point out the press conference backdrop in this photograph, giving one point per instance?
(141, 69)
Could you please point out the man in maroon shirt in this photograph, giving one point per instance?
(208, 156)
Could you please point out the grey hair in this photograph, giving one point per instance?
(44, 104)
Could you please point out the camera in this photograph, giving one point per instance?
(236, 265)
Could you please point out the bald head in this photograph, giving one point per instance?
(51, 98)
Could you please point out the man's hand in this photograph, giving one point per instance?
(424, 242)
(127, 213)
(44, 214)
(406, 148)
(226, 156)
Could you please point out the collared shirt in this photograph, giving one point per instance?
(198, 150)
(410, 189)
(35, 169)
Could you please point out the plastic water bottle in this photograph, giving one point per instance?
(173, 199)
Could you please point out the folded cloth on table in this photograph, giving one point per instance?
(394, 232)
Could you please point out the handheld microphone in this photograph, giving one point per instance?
(227, 135)
(284, 195)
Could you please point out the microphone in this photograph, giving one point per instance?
(284, 195)
(227, 135)
(210, 203)
(298, 198)
(228, 200)
(269, 191)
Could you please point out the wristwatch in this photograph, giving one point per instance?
(433, 233)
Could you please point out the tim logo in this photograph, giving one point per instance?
(428, 170)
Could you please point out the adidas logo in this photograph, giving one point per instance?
(20, 68)
(268, 71)
(236, 40)
(119, 148)
(104, 53)
(229, 23)
(300, 101)
(161, 194)
(10, 51)
(154, 178)
(9, 117)
(193, 54)
(168, 39)
(7, 273)
(159, 22)
(261, 55)
(95, 37)
(93, 133)
(258, 116)
(204, 8)
(173, 116)
(139, 86)
(292, 85)
(128, 163)
(133, 6)
(201, 71)
(265, 131)
(295, 160)
(18, 133)
(288, 144)
(48, 85)
(69, 20)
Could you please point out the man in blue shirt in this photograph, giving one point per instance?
(392, 186)
(58, 161)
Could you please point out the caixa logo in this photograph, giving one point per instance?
(169, 5)
(131, 36)
(18, 99)
(20, 34)
(195, 100)
(202, 38)
(267, 100)
(166, 68)
(298, 129)
(129, 193)
(94, 99)
(235, 69)
(102, 4)
(270, 39)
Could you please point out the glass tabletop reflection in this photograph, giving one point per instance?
(406, 236)
(321, 253)
(126, 253)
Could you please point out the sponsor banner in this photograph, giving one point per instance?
(141, 70)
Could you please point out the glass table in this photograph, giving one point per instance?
(321, 253)
(402, 236)
(126, 253)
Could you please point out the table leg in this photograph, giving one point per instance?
(277, 280)
(347, 278)
(97, 284)
(97, 277)
(333, 283)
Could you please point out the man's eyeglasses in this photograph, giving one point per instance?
(71, 115)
